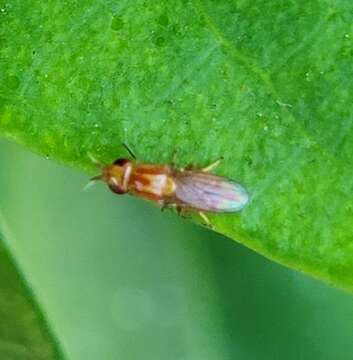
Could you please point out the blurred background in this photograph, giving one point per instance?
(118, 279)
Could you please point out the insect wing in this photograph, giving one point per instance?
(203, 191)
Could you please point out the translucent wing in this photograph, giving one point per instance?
(203, 191)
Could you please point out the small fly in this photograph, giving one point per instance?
(183, 188)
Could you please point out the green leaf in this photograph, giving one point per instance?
(23, 332)
(268, 85)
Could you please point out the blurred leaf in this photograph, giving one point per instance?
(23, 332)
(267, 85)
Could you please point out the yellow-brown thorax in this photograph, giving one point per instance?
(154, 182)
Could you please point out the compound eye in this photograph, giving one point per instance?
(117, 189)
(121, 162)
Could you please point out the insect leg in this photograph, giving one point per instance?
(166, 204)
(205, 219)
(180, 211)
(212, 166)
(173, 163)
(163, 204)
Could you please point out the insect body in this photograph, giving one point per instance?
(187, 189)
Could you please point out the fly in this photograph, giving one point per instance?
(184, 188)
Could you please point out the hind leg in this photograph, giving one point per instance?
(212, 166)
(205, 219)
(182, 211)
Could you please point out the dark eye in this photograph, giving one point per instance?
(117, 189)
(121, 162)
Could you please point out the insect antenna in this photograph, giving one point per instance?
(93, 179)
(95, 161)
(129, 151)
(91, 182)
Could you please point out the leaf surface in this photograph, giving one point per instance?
(266, 85)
